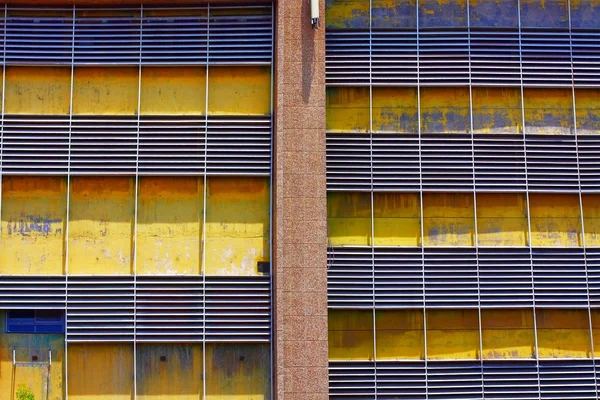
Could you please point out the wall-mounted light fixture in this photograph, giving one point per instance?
(314, 13)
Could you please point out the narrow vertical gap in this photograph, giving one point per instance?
(205, 197)
(527, 200)
(3, 103)
(271, 222)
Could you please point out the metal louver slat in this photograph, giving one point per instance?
(593, 275)
(238, 309)
(454, 380)
(552, 163)
(348, 162)
(451, 277)
(444, 58)
(347, 57)
(100, 309)
(588, 149)
(447, 162)
(394, 58)
(586, 57)
(510, 380)
(349, 277)
(39, 40)
(505, 278)
(567, 379)
(32, 292)
(495, 58)
(499, 163)
(401, 380)
(398, 277)
(559, 277)
(395, 162)
(352, 380)
(546, 58)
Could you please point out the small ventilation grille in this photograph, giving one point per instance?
(32, 292)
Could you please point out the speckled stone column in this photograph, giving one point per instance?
(300, 208)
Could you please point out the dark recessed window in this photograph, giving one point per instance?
(35, 321)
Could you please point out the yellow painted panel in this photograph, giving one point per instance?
(452, 334)
(237, 225)
(99, 371)
(502, 219)
(239, 90)
(170, 214)
(555, 220)
(33, 225)
(350, 334)
(507, 334)
(173, 91)
(96, 13)
(595, 314)
(38, 90)
(548, 111)
(585, 13)
(105, 91)
(400, 335)
(47, 12)
(563, 333)
(394, 14)
(237, 371)
(493, 13)
(397, 220)
(448, 219)
(587, 109)
(177, 12)
(544, 13)
(43, 382)
(178, 377)
(497, 110)
(445, 110)
(591, 219)
(349, 219)
(347, 14)
(395, 110)
(101, 225)
(442, 13)
(347, 109)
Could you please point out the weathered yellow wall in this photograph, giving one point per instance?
(563, 333)
(237, 372)
(45, 383)
(100, 371)
(237, 225)
(548, 111)
(350, 334)
(555, 220)
(585, 13)
(397, 219)
(38, 90)
(445, 110)
(395, 110)
(587, 109)
(497, 110)
(493, 13)
(544, 13)
(507, 334)
(33, 225)
(448, 219)
(502, 219)
(239, 90)
(390, 14)
(170, 214)
(444, 13)
(173, 91)
(452, 334)
(595, 314)
(105, 91)
(347, 14)
(400, 335)
(349, 219)
(179, 377)
(347, 109)
(591, 218)
(101, 225)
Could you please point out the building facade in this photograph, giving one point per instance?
(217, 200)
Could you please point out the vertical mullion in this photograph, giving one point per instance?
(3, 103)
(205, 197)
(529, 240)
(271, 182)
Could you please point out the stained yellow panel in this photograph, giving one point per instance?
(548, 111)
(38, 90)
(400, 334)
(393, 14)
(563, 333)
(595, 315)
(347, 14)
(101, 225)
(395, 110)
(585, 13)
(239, 90)
(237, 225)
(442, 13)
(105, 91)
(452, 334)
(545, 13)
(177, 377)
(32, 378)
(591, 219)
(448, 219)
(349, 219)
(502, 219)
(170, 214)
(555, 220)
(347, 110)
(494, 13)
(350, 334)
(497, 110)
(33, 225)
(100, 371)
(237, 371)
(445, 110)
(587, 109)
(173, 91)
(507, 334)
(397, 220)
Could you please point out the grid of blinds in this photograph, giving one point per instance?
(155, 309)
(124, 145)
